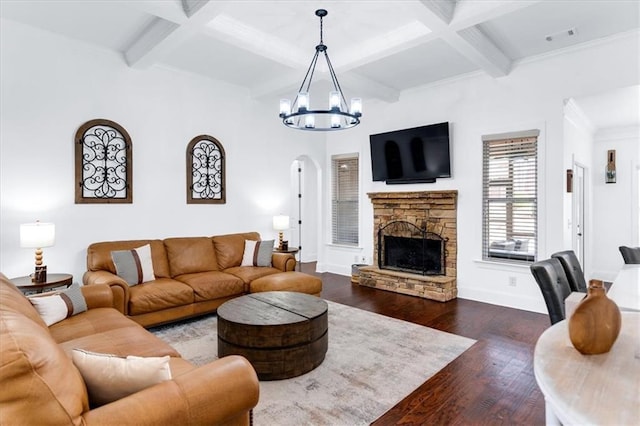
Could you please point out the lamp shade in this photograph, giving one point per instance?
(37, 235)
(280, 222)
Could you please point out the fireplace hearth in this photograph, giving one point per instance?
(402, 246)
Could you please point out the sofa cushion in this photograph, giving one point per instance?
(99, 255)
(93, 321)
(134, 266)
(110, 377)
(288, 281)
(55, 307)
(250, 273)
(213, 285)
(257, 253)
(122, 342)
(191, 254)
(37, 376)
(158, 295)
(230, 248)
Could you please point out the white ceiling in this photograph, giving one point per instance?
(378, 47)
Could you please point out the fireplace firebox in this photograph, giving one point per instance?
(402, 246)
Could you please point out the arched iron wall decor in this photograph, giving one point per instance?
(205, 171)
(103, 163)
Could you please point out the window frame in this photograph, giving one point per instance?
(351, 196)
(514, 147)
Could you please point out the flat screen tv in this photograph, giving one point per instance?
(416, 155)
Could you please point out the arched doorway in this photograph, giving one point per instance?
(305, 209)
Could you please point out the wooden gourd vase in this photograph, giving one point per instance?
(595, 324)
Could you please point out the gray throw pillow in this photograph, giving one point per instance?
(257, 253)
(134, 266)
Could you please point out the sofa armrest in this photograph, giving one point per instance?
(284, 261)
(223, 391)
(97, 296)
(119, 287)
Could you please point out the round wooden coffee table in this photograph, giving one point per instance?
(283, 334)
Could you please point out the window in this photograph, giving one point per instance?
(344, 199)
(510, 196)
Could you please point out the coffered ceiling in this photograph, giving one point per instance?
(378, 47)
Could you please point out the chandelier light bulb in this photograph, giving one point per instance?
(334, 100)
(356, 106)
(303, 101)
(285, 107)
(335, 121)
(309, 122)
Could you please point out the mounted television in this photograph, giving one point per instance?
(417, 155)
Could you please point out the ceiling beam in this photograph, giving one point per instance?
(167, 10)
(162, 35)
(443, 9)
(470, 42)
(469, 13)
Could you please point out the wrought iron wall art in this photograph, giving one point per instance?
(103, 163)
(205, 171)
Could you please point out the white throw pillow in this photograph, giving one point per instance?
(134, 266)
(54, 307)
(110, 377)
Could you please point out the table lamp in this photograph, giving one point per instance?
(280, 223)
(37, 235)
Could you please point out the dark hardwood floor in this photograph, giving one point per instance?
(492, 383)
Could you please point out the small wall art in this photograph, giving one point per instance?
(611, 166)
(205, 171)
(103, 163)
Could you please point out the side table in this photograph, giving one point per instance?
(53, 281)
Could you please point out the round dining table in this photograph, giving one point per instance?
(581, 389)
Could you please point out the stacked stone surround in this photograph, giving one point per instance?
(433, 211)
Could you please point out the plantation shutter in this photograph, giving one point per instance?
(344, 200)
(510, 197)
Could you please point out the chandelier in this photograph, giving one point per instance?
(299, 115)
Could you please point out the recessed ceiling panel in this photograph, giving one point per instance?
(218, 60)
(523, 33)
(348, 23)
(420, 65)
(110, 24)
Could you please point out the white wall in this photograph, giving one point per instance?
(50, 85)
(531, 96)
(614, 211)
(578, 149)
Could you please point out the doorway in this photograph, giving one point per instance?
(305, 209)
(579, 208)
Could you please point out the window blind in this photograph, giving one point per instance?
(344, 200)
(510, 199)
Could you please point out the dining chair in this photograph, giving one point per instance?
(572, 269)
(553, 283)
(631, 255)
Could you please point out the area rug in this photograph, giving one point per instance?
(372, 363)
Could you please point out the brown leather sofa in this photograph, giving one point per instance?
(41, 385)
(194, 275)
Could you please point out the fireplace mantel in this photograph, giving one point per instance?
(433, 211)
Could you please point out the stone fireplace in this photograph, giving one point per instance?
(415, 244)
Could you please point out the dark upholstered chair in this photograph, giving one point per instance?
(631, 255)
(572, 268)
(553, 283)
